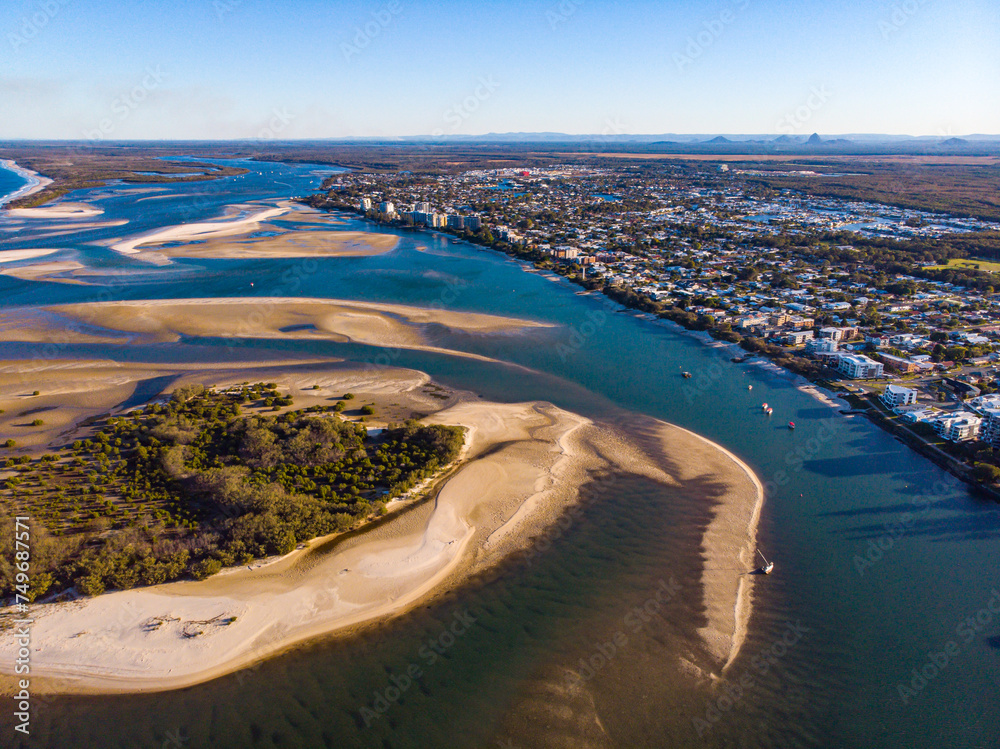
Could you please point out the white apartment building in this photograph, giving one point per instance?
(365, 204)
(859, 366)
(798, 337)
(989, 430)
(387, 207)
(896, 395)
(958, 427)
(822, 346)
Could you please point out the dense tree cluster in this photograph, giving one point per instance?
(186, 487)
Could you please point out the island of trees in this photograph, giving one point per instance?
(205, 480)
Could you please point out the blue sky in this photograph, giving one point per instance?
(307, 69)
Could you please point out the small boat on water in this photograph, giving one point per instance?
(687, 375)
(763, 407)
(791, 425)
(769, 411)
(749, 387)
(768, 566)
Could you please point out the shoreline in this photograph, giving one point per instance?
(139, 640)
(36, 182)
(521, 468)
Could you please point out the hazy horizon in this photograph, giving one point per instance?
(242, 69)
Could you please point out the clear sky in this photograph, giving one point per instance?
(312, 68)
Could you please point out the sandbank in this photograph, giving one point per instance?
(730, 540)
(168, 636)
(57, 210)
(200, 230)
(289, 245)
(13, 256)
(166, 320)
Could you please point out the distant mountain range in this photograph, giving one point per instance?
(722, 143)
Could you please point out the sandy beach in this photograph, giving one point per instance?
(729, 544)
(522, 466)
(287, 245)
(13, 256)
(160, 321)
(517, 456)
(201, 230)
(36, 182)
(58, 210)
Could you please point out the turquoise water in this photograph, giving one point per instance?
(10, 182)
(839, 491)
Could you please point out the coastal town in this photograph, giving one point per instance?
(867, 299)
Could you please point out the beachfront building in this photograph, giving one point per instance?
(456, 222)
(989, 430)
(422, 207)
(958, 427)
(387, 207)
(798, 337)
(819, 346)
(365, 205)
(859, 366)
(897, 395)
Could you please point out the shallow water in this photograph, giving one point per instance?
(880, 556)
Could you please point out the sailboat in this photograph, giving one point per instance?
(768, 566)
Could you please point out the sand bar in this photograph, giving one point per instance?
(166, 320)
(288, 245)
(142, 639)
(13, 256)
(198, 231)
(57, 210)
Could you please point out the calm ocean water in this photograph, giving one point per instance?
(831, 639)
(10, 182)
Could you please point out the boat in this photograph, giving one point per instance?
(749, 387)
(763, 407)
(687, 375)
(768, 566)
(791, 425)
(769, 411)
